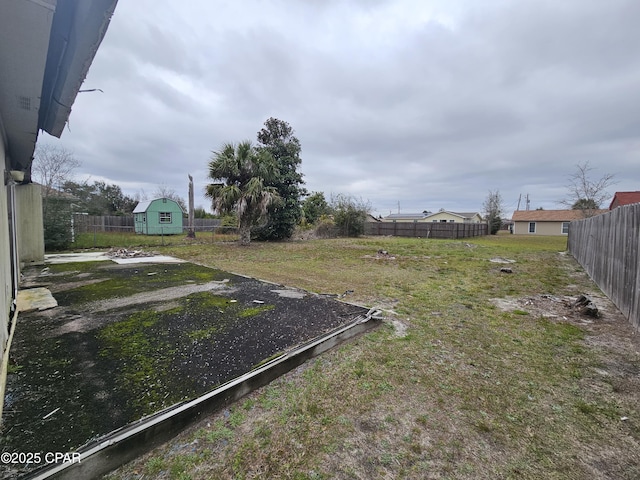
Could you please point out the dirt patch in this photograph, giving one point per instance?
(611, 336)
(546, 306)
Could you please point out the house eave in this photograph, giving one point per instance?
(46, 48)
(76, 33)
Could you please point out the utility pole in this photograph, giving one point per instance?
(519, 197)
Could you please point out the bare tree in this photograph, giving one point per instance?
(163, 191)
(52, 167)
(493, 210)
(586, 194)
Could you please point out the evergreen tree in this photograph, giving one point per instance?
(278, 139)
(314, 206)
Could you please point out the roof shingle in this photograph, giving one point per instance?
(550, 215)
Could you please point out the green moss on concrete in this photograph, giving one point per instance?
(124, 281)
(146, 348)
(267, 360)
(142, 354)
(203, 333)
(200, 302)
(253, 311)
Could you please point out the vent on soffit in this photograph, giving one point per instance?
(24, 102)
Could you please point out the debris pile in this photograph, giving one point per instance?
(384, 255)
(124, 253)
(585, 306)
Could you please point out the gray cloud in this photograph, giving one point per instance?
(426, 104)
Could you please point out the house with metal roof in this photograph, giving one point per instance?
(46, 48)
(546, 222)
(161, 216)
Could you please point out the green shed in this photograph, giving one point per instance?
(161, 216)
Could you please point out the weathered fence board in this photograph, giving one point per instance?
(607, 246)
(426, 230)
(124, 223)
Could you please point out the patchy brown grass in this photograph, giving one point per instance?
(519, 387)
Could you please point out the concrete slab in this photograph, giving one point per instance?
(76, 257)
(104, 256)
(153, 259)
(33, 299)
(162, 336)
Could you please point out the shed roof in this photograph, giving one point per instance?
(144, 206)
(550, 215)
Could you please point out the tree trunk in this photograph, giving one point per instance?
(244, 229)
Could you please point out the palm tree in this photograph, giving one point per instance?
(240, 172)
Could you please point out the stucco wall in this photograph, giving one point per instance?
(542, 228)
(30, 229)
(5, 254)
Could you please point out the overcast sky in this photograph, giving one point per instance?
(409, 104)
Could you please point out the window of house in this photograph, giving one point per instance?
(532, 227)
(565, 227)
(452, 221)
(434, 221)
(165, 217)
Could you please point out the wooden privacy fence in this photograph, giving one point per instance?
(124, 223)
(426, 229)
(607, 248)
(103, 223)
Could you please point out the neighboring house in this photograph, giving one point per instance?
(161, 216)
(624, 198)
(46, 48)
(442, 216)
(405, 217)
(545, 222)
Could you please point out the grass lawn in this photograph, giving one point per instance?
(471, 389)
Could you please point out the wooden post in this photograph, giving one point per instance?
(191, 232)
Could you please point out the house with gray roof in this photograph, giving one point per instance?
(443, 216)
